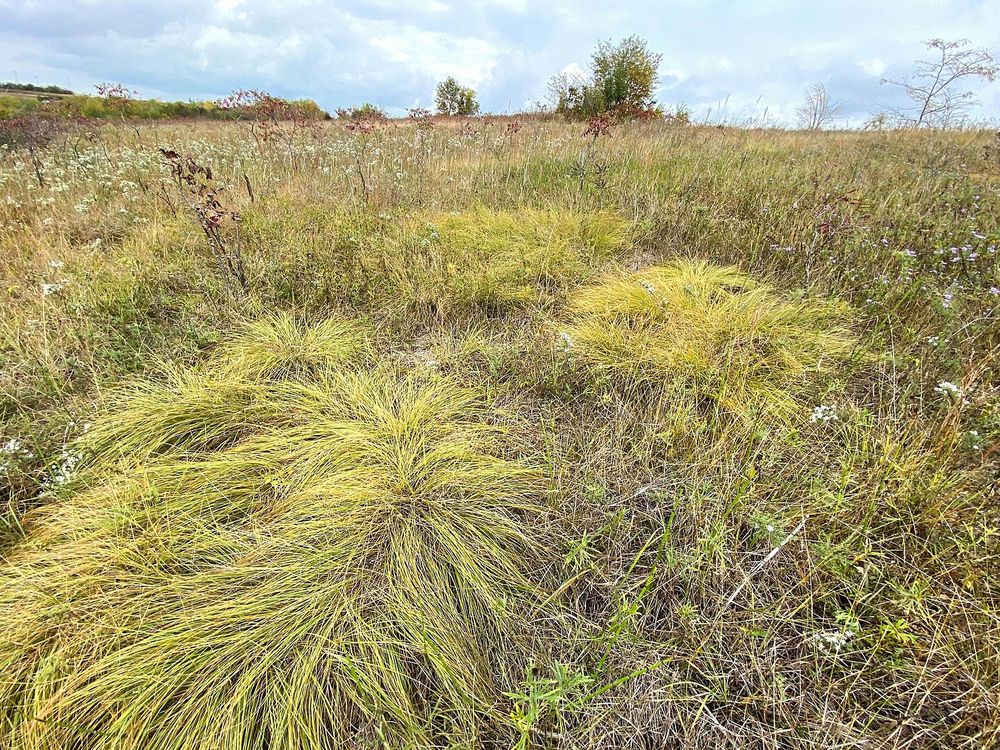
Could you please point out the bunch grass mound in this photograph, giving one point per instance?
(710, 334)
(289, 547)
(503, 260)
(434, 264)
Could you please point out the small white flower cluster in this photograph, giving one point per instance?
(823, 414)
(65, 467)
(974, 441)
(952, 391)
(564, 342)
(832, 641)
(10, 450)
(53, 287)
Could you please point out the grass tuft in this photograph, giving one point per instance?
(281, 562)
(708, 332)
(438, 265)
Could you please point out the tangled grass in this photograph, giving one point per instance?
(504, 260)
(439, 265)
(276, 550)
(707, 332)
(704, 586)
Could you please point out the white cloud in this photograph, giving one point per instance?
(419, 6)
(391, 52)
(873, 67)
(516, 6)
(438, 55)
(229, 9)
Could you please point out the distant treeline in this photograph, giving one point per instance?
(9, 86)
(80, 105)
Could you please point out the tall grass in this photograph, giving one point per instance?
(274, 551)
(707, 332)
(440, 265)
(416, 522)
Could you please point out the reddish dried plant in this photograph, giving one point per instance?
(599, 125)
(361, 125)
(199, 189)
(364, 122)
(422, 117)
(117, 98)
(116, 95)
(265, 113)
(31, 134)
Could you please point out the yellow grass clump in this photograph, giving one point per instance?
(440, 264)
(286, 548)
(707, 332)
(505, 259)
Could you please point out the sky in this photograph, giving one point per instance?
(727, 60)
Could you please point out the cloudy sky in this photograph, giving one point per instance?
(729, 59)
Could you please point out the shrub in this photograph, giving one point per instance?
(622, 81)
(276, 550)
(33, 133)
(710, 332)
(454, 99)
(366, 111)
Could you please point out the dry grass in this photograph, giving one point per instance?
(710, 333)
(753, 505)
(274, 551)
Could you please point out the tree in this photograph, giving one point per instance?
(573, 94)
(454, 99)
(622, 79)
(626, 74)
(933, 86)
(817, 110)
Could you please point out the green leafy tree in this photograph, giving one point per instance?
(625, 74)
(454, 99)
(622, 80)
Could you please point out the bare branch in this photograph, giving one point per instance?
(817, 111)
(931, 87)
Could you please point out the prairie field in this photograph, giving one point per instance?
(500, 433)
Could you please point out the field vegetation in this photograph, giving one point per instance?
(499, 432)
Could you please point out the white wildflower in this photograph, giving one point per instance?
(53, 287)
(832, 641)
(823, 414)
(952, 391)
(65, 466)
